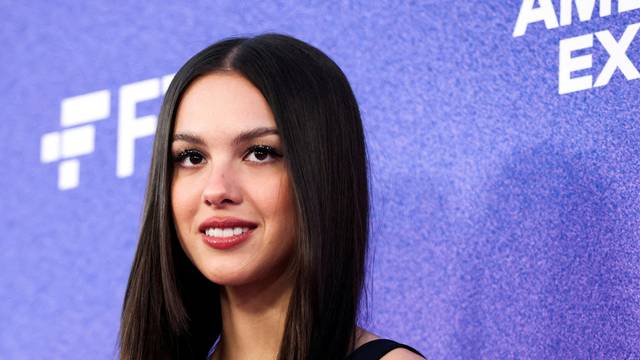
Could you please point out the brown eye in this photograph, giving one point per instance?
(260, 154)
(189, 158)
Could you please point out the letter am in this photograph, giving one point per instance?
(544, 11)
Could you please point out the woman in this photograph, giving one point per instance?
(254, 230)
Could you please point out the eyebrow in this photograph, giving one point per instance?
(239, 139)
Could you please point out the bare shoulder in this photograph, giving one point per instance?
(401, 354)
(363, 336)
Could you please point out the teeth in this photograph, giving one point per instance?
(226, 232)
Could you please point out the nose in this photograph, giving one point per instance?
(221, 189)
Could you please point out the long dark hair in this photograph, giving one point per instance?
(170, 309)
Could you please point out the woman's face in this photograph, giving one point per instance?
(231, 196)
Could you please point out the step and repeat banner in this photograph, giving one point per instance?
(503, 138)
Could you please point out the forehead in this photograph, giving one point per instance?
(222, 103)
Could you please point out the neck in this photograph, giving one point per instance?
(253, 319)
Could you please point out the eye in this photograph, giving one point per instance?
(261, 153)
(189, 158)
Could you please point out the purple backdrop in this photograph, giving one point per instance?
(505, 215)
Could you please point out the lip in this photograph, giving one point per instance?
(222, 243)
(225, 222)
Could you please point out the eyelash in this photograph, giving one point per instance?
(269, 150)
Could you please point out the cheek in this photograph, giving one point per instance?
(184, 203)
(274, 198)
(279, 210)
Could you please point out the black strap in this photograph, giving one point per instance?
(375, 349)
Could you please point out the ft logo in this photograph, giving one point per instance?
(77, 136)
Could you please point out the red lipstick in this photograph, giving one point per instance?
(220, 242)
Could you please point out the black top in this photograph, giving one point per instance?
(374, 350)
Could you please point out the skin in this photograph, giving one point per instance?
(222, 178)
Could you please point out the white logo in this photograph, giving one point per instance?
(568, 65)
(78, 136)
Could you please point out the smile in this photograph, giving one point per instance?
(222, 233)
(226, 242)
(225, 232)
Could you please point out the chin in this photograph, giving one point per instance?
(225, 279)
(233, 271)
(243, 274)
(223, 275)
